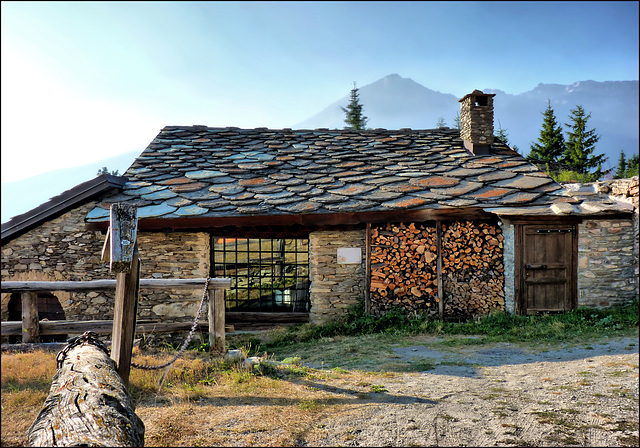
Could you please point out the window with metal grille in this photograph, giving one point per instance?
(267, 275)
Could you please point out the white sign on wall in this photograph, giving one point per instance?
(349, 255)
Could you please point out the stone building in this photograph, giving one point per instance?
(308, 222)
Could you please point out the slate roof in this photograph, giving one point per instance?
(199, 171)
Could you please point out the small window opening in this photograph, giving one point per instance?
(480, 101)
(267, 275)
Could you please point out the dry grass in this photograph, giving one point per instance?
(26, 378)
(203, 402)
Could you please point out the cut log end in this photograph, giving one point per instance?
(404, 267)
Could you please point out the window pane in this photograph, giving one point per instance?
(266, 274)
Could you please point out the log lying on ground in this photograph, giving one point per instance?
(88, 405)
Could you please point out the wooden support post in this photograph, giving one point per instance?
(439, 269)
(30, 321)
(124, 260)
(216, 320)
(124, 318)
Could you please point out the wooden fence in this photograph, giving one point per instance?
(31, 328)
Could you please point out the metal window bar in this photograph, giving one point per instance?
(272, 276)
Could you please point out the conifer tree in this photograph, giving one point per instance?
(456, 121)
(622, 167)
(354, 117)
(504, 137)
(580, 145)
(632, 166)
(550, 146)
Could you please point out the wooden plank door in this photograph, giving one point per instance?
(548, 271)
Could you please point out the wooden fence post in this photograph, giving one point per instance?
(124, 260)
(30, 320)
(216, 320)
(124, 318)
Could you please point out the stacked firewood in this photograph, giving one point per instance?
(403, 267)
(473, 270)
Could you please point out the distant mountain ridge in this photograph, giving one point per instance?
(20, 196)
(394, 102)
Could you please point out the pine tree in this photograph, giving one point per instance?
(441, 123)
(580, 145)
(550, 147)
(622, 167)
(104, 170)
(503, 136)
(632, 166)
(456, 121)
(354, 118)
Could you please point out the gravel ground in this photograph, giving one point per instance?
(501, 395)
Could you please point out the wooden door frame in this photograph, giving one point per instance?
(518, 268)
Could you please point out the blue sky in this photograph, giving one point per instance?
(85, 81)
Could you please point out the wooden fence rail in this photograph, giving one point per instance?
(31, 328)
(110, 285)
(53, 327)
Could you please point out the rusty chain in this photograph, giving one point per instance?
(205, 296)
(88, 337)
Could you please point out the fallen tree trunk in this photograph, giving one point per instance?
(88, 404)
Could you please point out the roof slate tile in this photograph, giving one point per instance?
(235, 172)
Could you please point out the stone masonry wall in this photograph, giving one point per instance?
(608, 251)
(173, 255)
(606, 268)
(509, 260)
(334, 286)
(62, 249)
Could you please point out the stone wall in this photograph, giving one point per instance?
(608, 250)
(172, 255)
(606, 268)
(334, 286)
(62, 249)
(509, 261)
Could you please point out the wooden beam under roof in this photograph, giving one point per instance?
(305, 222)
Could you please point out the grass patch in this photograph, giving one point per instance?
(581, 325)
(365, 342)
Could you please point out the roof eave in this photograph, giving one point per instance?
(60, 204)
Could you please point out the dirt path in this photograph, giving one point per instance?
(499, 396)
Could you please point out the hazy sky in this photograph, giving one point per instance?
(85, 81)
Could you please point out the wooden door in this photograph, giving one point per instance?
(548, 268)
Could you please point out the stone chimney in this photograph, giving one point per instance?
(476, 121)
